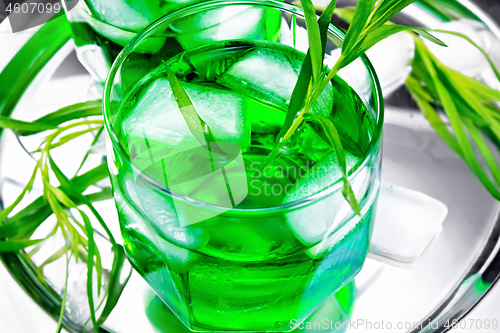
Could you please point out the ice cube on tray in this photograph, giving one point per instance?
(406, 222)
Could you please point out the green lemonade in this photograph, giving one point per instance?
(249, 268)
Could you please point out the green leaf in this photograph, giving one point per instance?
(334, 141)
(299, 94)
(105, 194)
(90, 267)
(4, 213)
(29, 60)
(315, 47)
(432, 115)
(28, 219)
(484, 149)
(91, 177)
(73, 191)
(458, 34)
(63, 198)
(386, 10)
(479, 88)
(360, 19)
(87, 154)
(444, 84)
(69, 137)
(64, 298)
(71, 112)
(382, 33)
(425, 34)
(17, 245)
(23, 126)
(116, 283)
(324, 23)
(54, 257)
(194, 122)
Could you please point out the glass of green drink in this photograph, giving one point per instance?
(228, 239)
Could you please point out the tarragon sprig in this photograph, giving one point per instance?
(61, 200)
(470, 105)
(367, 28)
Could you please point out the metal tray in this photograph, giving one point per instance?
(454, 273)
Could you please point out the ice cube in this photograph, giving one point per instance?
(230, 23)
(270, 76)
(160, 212)
(157, 249)
(129, 15)
(206, 19)
(311, 224)
(461, 55)
(120, 21)
(405, 224)
(157, 115)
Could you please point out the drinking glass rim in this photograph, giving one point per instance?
(294, 10)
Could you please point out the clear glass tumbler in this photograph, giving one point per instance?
(229, 240)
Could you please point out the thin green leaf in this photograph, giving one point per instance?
(64, 297)
(26, 221)
(90, 267)
(380, 34)
(488, 58)
(324, 22)
(432, 115)
(54, 257)
(314, 37)
(466, 149)
(91, 177)
(425, 34)
(69, 137)
(186, 107)
(479, 88)
(99, 270)
(473, 101)
(87, 154)
(4, 213)
(102, 195)
(71, 112)
(360, 20)
(115, 283)
(17, 245)
(299, 94)
(334, 141)
(62, 197)
(484, 149)
(20, 126)
(62, 217)
(73, 192)
(386, 10)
